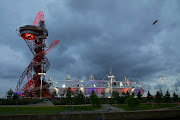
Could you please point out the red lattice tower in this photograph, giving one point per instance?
(34, 36)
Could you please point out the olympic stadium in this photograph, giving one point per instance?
(103, 88)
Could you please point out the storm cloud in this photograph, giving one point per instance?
(94, 36)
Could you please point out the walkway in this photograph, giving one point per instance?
(109, 108)
(44, 103)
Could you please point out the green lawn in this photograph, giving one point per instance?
(40, 110)
(146, 106)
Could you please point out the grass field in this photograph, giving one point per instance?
(58, 109)
(146, 106)
(43, 109)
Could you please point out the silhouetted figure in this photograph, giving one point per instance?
(100, 118)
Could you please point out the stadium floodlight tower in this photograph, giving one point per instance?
(163, 83)
(112, 77)
(34, 36)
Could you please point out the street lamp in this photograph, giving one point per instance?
(41, 83)
(163, 83)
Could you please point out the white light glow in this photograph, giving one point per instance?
(132, 90)
(56, 90)
(63, 86)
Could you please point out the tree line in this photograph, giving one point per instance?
(116, 98)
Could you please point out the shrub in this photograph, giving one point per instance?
(158, 97)
(133, 102)
(94, 100)
(121, 100)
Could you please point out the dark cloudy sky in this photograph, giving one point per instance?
(95, 35)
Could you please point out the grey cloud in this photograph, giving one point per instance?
(95, 35)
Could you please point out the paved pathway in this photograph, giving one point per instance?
(44, 103)
(104, 108)
(176, 107)
(109, 108)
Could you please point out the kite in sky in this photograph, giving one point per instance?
(155, 22)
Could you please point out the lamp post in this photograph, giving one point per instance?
(41, 83)
(112, 77)
(163, 83)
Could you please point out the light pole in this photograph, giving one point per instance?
(112, 77)
(163, 83)
(41, 83)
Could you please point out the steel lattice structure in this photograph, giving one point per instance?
(34, 36)
(98, 86)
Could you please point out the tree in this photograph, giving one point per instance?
(94, 99)
(15, 97)
(127, 94)
(115, 94)
(68, 95)
(123, 93)
(103, 94)
(54, 94)
(116, 97)
(133, 102)
(149, 96)
(139, 95)
(175, 97)
(80, 98)
(133, 94)
(158, 96)
(167, 96)
(121, 99)
(10, 93)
